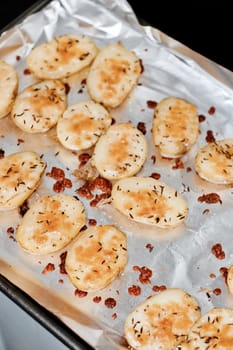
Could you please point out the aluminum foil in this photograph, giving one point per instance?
(181, 257)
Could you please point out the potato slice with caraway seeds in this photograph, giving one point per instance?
(50, 224)
(149, 201)
(20, 175)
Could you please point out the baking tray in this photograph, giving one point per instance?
(47, 319)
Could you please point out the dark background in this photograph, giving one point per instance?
(204, 26)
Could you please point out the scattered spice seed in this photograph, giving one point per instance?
(212, 275)
(114, 316)
(61, 281)
(218, 251)
(206, 212)
(18, 58)
(188, 169)
(141, 65)
(211, 110)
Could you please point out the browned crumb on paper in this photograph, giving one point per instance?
(134, 290)
(97, 299)
(2, 153)
(62, 263)
(210, 136)
(19, 141)
(10, 231)
(159, 288)
(80, 293)
(67, 88)
(210, 198)
(218, 252)
(92, 222)
(145, 274)
(61, 181)
(48, 268)
(201, 118)
(110, 303)
(151, 104)
(142, 127)
(211, 110)
(83, 159)
(217, 291)
(224, 273)
(153, 158)
(178, 164)
(150, 247)
(23, 208)
(155, 176)
(26, 71)
(102, 186)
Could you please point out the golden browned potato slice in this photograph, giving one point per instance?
(82, 124)
(149, 201)
(50, 224)
(214, 162)
(20, 174)
(230, 279)
(113, 75)
(62, 56)
(38, 107)
(8, 87)
(121, 152)
(175, 126)
(213, 331)
(161, 321)
(96, 257)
